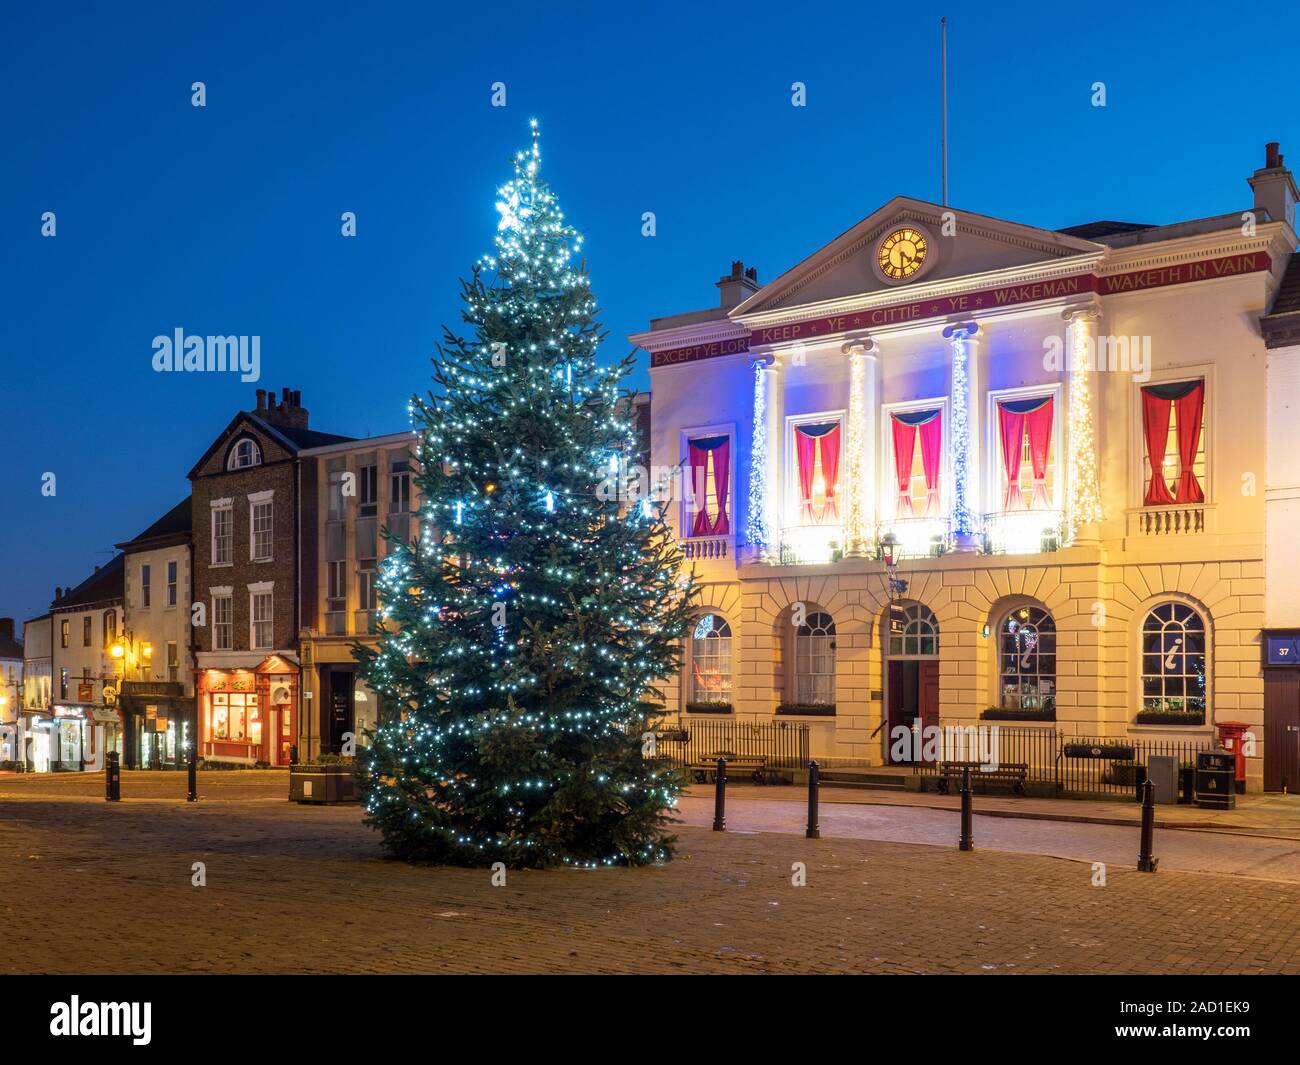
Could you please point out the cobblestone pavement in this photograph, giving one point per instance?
(88, 886)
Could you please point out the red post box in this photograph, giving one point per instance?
(1230, 734)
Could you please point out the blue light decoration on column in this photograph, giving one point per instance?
(757, 531)
(963, 521)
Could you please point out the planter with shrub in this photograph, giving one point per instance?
(1170, 717)
(806, 709)
(708, 708)
(996, 713)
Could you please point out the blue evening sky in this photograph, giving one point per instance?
(225, 219)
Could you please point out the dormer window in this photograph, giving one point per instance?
(245, 453)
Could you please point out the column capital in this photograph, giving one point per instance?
(1084, 312)
(860, 345)
(767, 360)
(961, 331)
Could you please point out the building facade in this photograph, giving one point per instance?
(953, 469)
(353, 493)
(154, 649)
(82, 724)
(245, 510)
(11, 690)
(37, 671)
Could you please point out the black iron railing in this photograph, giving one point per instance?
(783, 743)
(1069, 765)
(1115, 767)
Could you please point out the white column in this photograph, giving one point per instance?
(963, 397)
(1083, 496)
(762, 530)
(860, 448)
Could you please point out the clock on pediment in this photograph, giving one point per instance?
(903, 253)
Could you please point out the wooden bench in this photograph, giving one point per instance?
(738, 765)
(1013, 773)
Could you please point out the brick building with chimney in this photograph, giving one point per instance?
(246, 507)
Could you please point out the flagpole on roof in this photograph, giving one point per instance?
(943, 79)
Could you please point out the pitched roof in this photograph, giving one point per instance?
(293, 440)
(1098, 231)
(1281, 326)
(10, 647)
(105, 584)
(173, 526)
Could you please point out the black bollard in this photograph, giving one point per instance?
(293, 755)
(1147, 862)
(720, 798)
(814, 786)
(967, 841)
(192, 770)
(112, 778)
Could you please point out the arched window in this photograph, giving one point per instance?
(913, 631)
(245, 453)
(814, 661)
(711, 660)
(1173, 661)
(1027, 659)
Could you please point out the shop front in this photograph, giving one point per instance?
(246, 716)
(159, 724)
(78, 736)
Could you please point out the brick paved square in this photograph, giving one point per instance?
(89, 886)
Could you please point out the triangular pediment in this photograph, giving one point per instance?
(978, 244)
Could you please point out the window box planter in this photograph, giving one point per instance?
(322, 783)
(806, 710)
(1169, 717)
(994, 713)
(708, 708)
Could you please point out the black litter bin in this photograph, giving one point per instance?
(1215, 780)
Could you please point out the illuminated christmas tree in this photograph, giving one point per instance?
(526, 627)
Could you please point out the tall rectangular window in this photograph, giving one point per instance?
(144, 585)
(63, 632)
(85, 631)
(223, 527)
(260, 518)
(366, 589)
(399, 488)
(223, 617)
(1173, 432)
(261, 611)
(171, 583)
(173, 661)
(368, 490)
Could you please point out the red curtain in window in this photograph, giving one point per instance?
(806, 447)
(1039, 425)
(716, 449)
(1013, 432)
(1190, 409)
(830, 448)
(931, 455)
(1155, 426)
(699, 489)
(721, 477)
(904, 447)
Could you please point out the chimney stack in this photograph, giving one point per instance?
(261, 400)
(738, 286)
(287, 412)
(1274, 187)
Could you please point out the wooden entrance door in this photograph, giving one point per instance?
(1282, 730)
(928, 699)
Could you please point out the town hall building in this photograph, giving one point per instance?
(954, 469)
